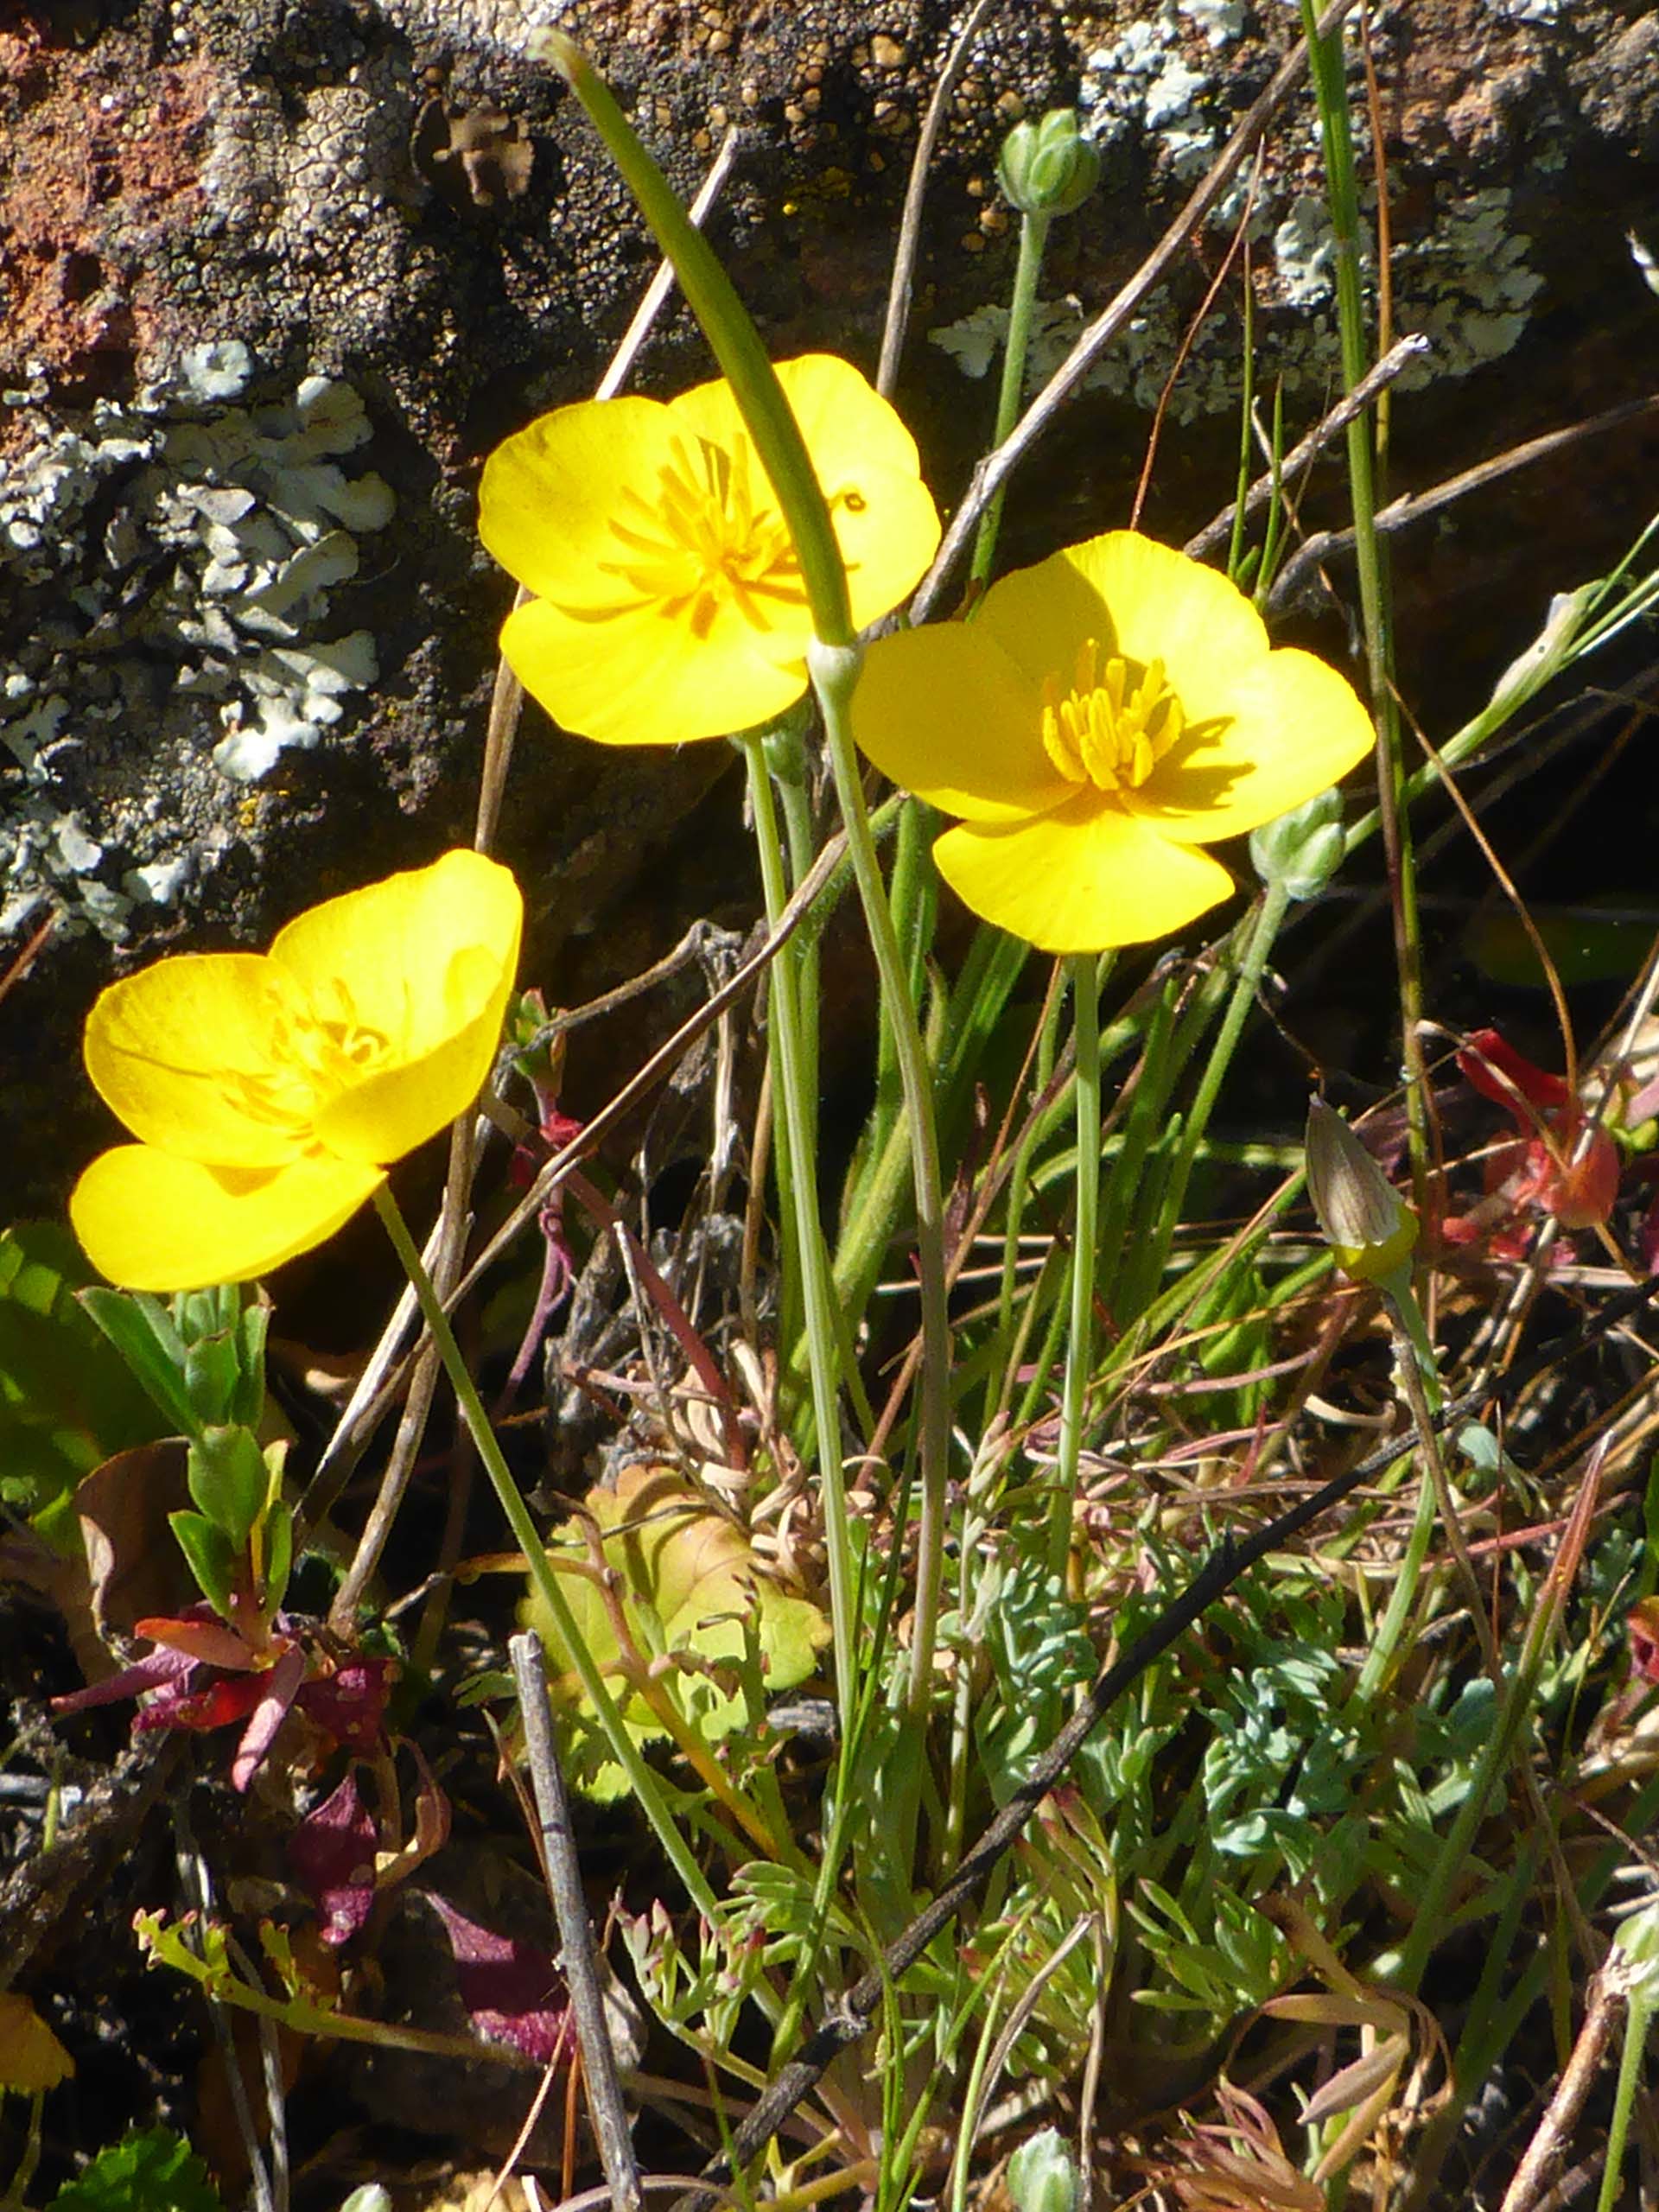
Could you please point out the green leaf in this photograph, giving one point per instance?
(690, 1592)
(210, 1555)
(229, 1480)
(142, 1331)
(212, 1372)
(249, 1401)
(279, 1556)
(66, 1402)
(156, 2171)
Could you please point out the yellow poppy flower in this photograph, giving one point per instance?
(669, 602)
(269, 1091)
(1102, 715)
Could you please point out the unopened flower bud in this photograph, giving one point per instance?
(1043, 2174)
(1048, 167)
(1368, 1226)
(1300, 851)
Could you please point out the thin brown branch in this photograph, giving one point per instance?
(910, 222)
(1413, 347)
(1412, 506)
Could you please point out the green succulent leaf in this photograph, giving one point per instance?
(694, 1604)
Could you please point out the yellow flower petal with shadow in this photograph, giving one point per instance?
(673, 607)
(389, 1112)
(410, 959)
(946, 714)
(271, 1090)
(1083, 877)
(152, 1221)
(869, 472)
(193, 1055)
(1166, 607)
(550, 494)
(1293, 727)
(637, 684)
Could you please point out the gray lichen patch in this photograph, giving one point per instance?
(166, 572)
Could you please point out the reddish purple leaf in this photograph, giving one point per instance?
(332, 1853)
(278, 1687)
(513, 1993)
(350, 1703)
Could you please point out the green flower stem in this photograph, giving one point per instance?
(1379, 1660)
(1638, 2019)
(624, 1749)
(1329, 92)
(835, 675)
(1079, 1352)
(790, 1066)
(1275, 904)
(736, 344)
(1033, 237)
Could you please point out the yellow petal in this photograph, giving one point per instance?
(149, 1221)
(395, 1109)
(1294, 727)
(1166, 607)
(642, 679)
(944, 713)
(1041, 615)
(550, 495)
(867, 465)
(1081, 879)
(417, 957)
(31, 2057)
(166, 1048)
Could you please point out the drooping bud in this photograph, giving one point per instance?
(1368, 1226)
(1048, 167)
(1300, 851)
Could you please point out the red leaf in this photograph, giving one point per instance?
(332, 1853)
(513, 1993)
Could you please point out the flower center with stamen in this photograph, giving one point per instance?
(314, 1056)
(711, 538)
(1110, 729)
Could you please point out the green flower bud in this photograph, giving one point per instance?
(1300, 851)
(1043, 2174)
(1368, 1225)
(1048, 167)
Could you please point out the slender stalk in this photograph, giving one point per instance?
(1275, 903)
(1079, 1352)
(1330, 90)
(789, 1077)
(1033, 237)
(834, 675)
(1638, 2018)
(641, 1780)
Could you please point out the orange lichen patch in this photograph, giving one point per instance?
(89, 154)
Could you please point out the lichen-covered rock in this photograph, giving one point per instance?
(276, 273)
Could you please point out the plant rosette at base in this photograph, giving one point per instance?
(1102, 716)
(669, 602)
(270, 1091)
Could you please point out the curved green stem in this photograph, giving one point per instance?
(1085, 994)
(790, 1066)
(834, 676)
(1033, 237)
(624, 1749)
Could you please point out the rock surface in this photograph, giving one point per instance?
(276, 273)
